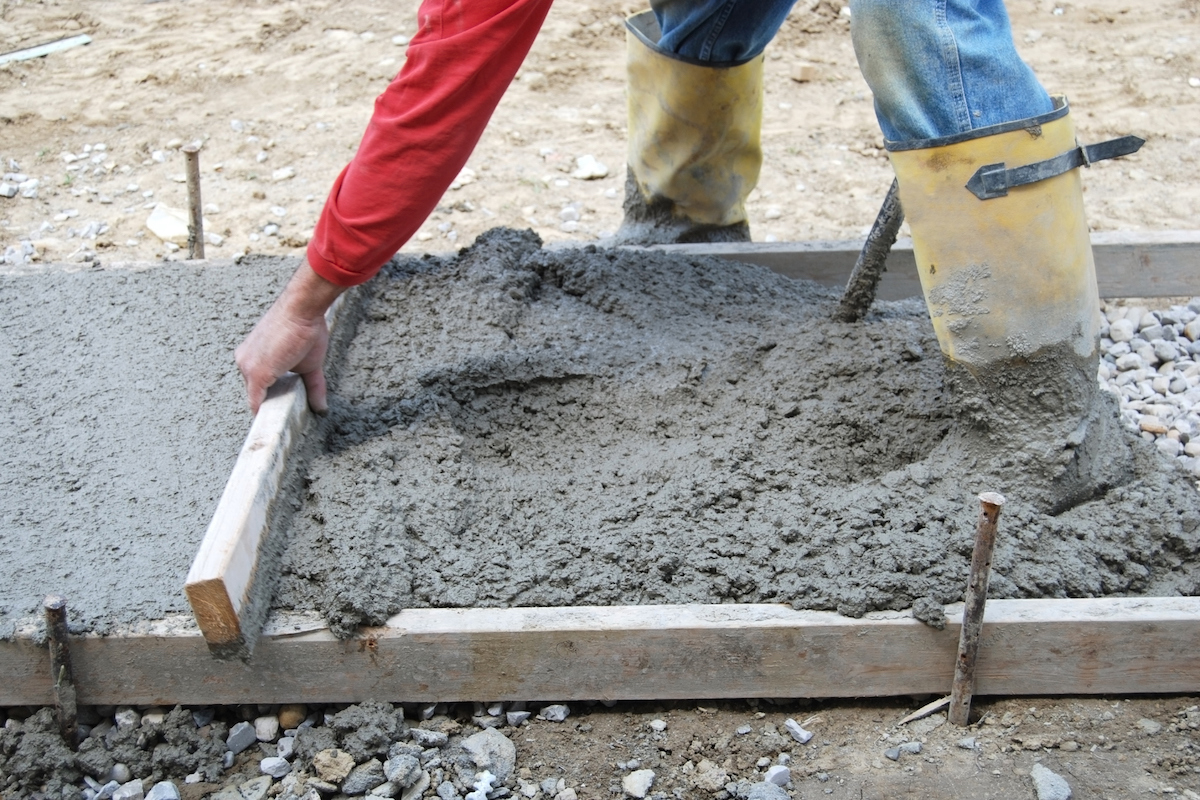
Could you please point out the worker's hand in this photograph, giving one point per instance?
(291, 337)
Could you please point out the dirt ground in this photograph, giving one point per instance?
(275, 88)
(279, 92)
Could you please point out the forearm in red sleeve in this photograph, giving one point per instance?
(424, 128)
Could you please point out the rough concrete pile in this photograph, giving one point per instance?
(525, 427)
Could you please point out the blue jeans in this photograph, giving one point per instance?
(936, 67)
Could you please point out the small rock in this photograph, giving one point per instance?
(266, 729)
(446, 791)
(129, 791)
(163, 790)
(8, 190)
(428, 738)
(418, 788)
(385, 789)
(1169, 447)
(255, 788)
(587, 168)
(29, 188)
(555, 713)
(332, 765)
(892, 753)
(765, 791)
(120, 773)
(364, 778)
(1049, 785)
(106, 791)
(567, 794)
(1149, 726)
(286, 747)
(1069, 746)
(127, 719)
(658, 725)
(799, 734)
(910, 747)
(1121, 331)
(465, 177)
(709, 777)
(402, 769)
(969, 743)
(1166, 351)
(1192, 330)
(283, 174)
(1130, 361)
(275, 766)
(806, 73)
(491, 752)
(290, 716)
(637, 784)
(779, 775)
(516, 718)
(1152, 425)
(240, 737)
(742, 730)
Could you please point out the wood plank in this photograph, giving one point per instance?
(37, 51)
(1150, 264)
(221, 584)
(1029, 647)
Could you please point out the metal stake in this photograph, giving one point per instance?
(60, 666)
(972, 625)
(195, 210)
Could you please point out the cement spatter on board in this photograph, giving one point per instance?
(525, 427)
(123, 416)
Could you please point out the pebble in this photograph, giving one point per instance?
(8, 190)
(283, 174)
(290, 716)
(106, 791)
(779, 775)
(130, 791)
(163, 790)
(332, 765)
(658, 725)
(402, 769)
(266, 729)
(240, 737)
(637, 784)
(417, 789)
(127, 719)
(364, 778)
(385, 789)
(1149, 726)
(969, 743)
(275, 766)
(1049, 785)
(286, 747)
(428, 738)
(517, 718)
(798, 733)
(555, 713)
(491, 751)
(766, 791)
(121, 773)
(742, 730)
(587, 168)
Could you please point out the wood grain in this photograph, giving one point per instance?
(1028, 647)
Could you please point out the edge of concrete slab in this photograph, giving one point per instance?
(1029, 647)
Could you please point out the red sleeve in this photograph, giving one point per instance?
(425, 125)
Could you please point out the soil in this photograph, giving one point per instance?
(299, 78)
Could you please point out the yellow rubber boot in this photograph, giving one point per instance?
(694, 143)
(1011, 289)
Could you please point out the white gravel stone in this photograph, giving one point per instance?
(130, 791)
(283, 174)
(275, 767)
(266, 728)
(778, 775)
(798, 733)
(120, 773)
(8, 190)
(587, 168)
(637, 784)
(286, 747)
(1049, 785)
(163, 790)
(658, 725)
(555, 713)
(127, 719)
(517, 718)
(1121, 330)
(1130, 361)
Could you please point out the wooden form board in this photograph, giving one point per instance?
(1029, 647)
(1157, 264)
(221, 581)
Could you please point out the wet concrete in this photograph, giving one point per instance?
(124, 414)
(522, 427)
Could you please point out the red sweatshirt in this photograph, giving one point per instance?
(425, 125)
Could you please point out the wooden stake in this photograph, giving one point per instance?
(195, 209)
(55, 608)
(972, 626)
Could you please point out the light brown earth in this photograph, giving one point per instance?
(300, 79)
